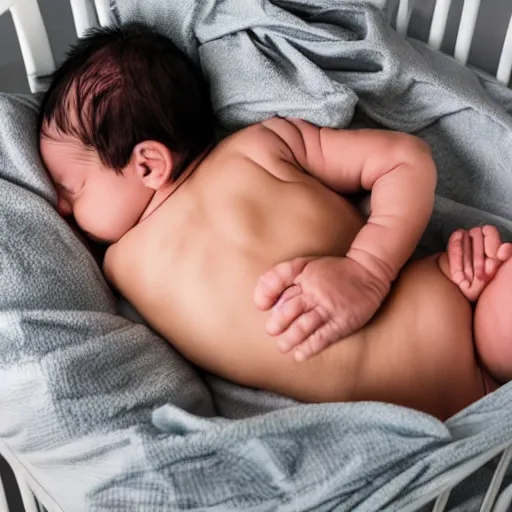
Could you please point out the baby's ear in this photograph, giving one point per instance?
(153, 163)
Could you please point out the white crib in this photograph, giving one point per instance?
(465, 30)
(32, 35)
(38, 61)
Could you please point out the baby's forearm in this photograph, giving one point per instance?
(401, 204)
(396, 167)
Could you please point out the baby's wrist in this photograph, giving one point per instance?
(377, 267)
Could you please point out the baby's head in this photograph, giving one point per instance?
(125, 115)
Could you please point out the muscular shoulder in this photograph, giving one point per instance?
(275, 138)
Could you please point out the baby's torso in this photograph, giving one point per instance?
(192, 267)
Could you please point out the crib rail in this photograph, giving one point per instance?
(465, 31)
(490, 503)
(84, 15)
(33, 37)
(39, 61)
(505, 64)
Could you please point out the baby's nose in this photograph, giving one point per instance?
(64, 207)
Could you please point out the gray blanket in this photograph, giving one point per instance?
(103, 415)
(320, 59)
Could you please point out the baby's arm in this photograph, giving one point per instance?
(397, 168)
(316, 303)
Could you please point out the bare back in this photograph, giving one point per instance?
(191, 268)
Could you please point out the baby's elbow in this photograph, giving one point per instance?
(418, 154)
(412, 146)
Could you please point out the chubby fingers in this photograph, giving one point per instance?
(456, 250)
(492, 241)
(301, 333)
(504, 252)
(319, 340)
(273, 283)
(477, 253)
(289, 306)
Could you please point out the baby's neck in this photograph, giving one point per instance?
(158, 198)
(162, 194)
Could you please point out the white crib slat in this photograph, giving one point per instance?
(466, 29)
(441, 501)
(504, 501)
(29, 501)
(5, 5)
(34, 44)
(438, 26)
(505, 65)
(84, 16)
(403, 16)
(103, 12)
(497, 480)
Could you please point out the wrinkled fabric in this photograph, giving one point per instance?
(104, 415)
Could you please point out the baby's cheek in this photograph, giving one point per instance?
(94, 223)
(109, 214)
(115, 223)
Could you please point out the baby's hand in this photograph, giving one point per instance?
(474, 257)
(316, 302)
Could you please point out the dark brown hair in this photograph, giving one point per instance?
(123, 85)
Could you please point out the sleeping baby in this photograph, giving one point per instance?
(251, 257)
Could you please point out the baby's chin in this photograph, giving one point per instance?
(96, 246)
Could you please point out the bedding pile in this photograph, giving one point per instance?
(104, 415)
